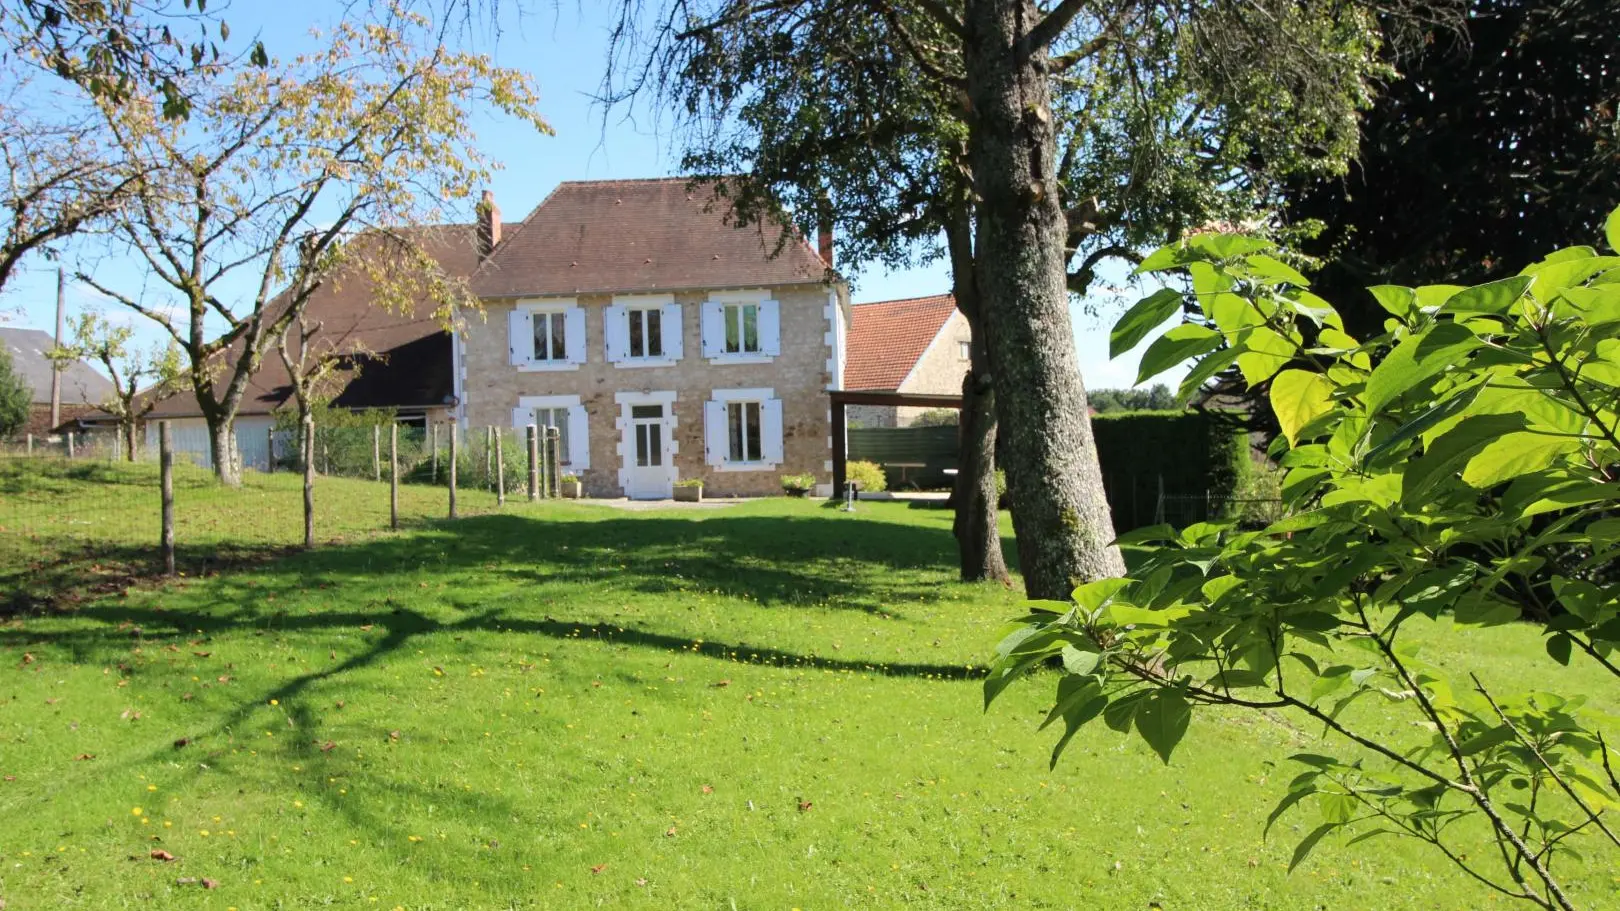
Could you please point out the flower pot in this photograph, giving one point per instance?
(570, 490)
(689, 494)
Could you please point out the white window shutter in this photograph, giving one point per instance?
(522, 417)
(714, 431)
(579, 441)
(770, 429)
(770, 328)
(574, 332)
(520, 331)
(714, 328)
(674, 332)
(615, 333)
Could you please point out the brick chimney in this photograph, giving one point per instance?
(824, 240)
(489, 225)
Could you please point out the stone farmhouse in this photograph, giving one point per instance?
(663, 342)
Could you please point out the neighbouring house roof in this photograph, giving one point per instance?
(601, 236)
(407, 360)
(887, 339)
(81, 384)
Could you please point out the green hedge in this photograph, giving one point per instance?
(1200, 460)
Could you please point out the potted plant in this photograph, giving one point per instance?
(570, 488)
(689, 490)
(798, 485)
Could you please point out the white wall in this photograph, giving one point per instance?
(191, 440)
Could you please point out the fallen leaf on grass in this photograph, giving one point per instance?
(183, 741)
(640, 881)
(202, 654)
(209, 883)
(804, 805)
(162, 855)
(598, 869)
(83, 756)
(721, 683)
(393, 735)
(28, 658)
(328, 747)
(708, 789)
(670, 832)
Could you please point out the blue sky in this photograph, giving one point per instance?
(563, 48)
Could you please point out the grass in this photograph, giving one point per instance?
(770, 705)
(70, 528)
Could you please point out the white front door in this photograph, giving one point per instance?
(650, 474)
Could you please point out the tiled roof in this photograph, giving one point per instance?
(641, 235)
(408, 364)
(81, 384)
(888, 337)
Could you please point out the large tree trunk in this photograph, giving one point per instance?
(222, 448)
(1060, 511)
(128, 428)
(977, 529)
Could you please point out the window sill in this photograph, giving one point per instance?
(745, 466)
(547, 366)
(633, 362)
(721, 359)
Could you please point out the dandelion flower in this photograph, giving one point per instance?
(135, 811)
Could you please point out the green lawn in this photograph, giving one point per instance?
(766, 706)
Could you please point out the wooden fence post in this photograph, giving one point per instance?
(489, 455)
(309, 483)
(434, 477)
(166, 487)
(554, 460)
(534, 462)
(455, 467)
(376, 452)
(270, 450)
(500, 469)
(69, 436)
(30, 444)
(393, 476)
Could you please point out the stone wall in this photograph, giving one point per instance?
(799, 376)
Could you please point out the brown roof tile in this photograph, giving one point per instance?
(640, 235)
(888, 337)
(409, 360)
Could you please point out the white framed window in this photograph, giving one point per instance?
(741, 327)
(965, 350)
(743, 429)
(643, 330)
(567, 414)
(547, 335)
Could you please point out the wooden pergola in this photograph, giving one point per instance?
(842, 398)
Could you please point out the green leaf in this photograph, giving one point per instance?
(1078, 661)
(1122, 711)
(1179, 344)
(1207, 367)
(1299, 397)
(1162, 721)
(1446, 409)
(1558, 648)
(1293, 796)
(1398, 300)
(1093, 595)
(1508, 457)
(1492, 297)
(1611, 230)
(1226, 246)
(1303, 850)
(1142, 319)
(1336, 807)
(1485, 740)
(1416, 359)
(1262, 352)
(1448, 451)
(1273, 268)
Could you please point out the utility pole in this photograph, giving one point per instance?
(56, 366)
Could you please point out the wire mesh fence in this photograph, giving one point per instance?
(84, 517)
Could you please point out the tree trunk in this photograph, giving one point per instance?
(977, 528)
(128, 427)
(1060, 511)
(222, 447)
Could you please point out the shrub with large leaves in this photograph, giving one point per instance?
(1462, 467)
